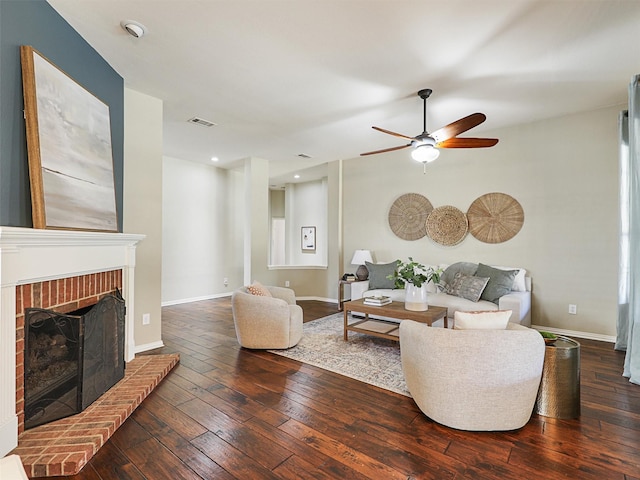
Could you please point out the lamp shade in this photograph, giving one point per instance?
(361, 256)
(425, 153)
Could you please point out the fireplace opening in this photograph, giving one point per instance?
(71, 359)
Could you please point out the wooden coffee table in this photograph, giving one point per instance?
(384, 328)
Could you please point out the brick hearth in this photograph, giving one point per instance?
(65, 446)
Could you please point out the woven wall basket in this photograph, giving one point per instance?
(447, 225)
(408, 214)
(495, 217)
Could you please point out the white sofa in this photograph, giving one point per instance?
(518, 301)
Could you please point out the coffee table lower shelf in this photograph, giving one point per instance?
(387, 328)
(378, 328)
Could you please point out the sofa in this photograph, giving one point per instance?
(503, 291)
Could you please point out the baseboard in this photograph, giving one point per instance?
(221, 295)
(148, 346)
(557, 331)
(319, 299)
(576, 334)
(195, 299)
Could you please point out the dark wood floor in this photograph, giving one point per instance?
(229, 413)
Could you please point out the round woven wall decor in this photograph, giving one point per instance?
(408, 214)
(447, 225)
(495, 217)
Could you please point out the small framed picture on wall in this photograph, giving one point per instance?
(308, 239)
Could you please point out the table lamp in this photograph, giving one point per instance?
(359, 258)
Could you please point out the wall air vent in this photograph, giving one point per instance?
(201, 121)
(304, 155)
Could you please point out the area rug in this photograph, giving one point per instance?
(372, 360)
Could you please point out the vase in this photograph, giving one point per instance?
(416, 298)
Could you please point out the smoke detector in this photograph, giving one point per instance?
(135, 29)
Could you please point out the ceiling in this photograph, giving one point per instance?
(282, 78)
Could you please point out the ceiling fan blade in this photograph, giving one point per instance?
(386, 150)
(458, 127)
(393, 133)
(467, 143)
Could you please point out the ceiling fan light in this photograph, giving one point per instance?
(425, 153)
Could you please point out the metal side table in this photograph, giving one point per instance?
(559, 393)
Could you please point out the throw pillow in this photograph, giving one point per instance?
(500, 282)
(449, 273)
(520, 282)
(258, 289)
(492, 320)
(378, 273)
(467, 286)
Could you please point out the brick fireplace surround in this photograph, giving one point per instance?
(61, 270)
(62, 295)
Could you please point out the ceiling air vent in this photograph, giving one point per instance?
(201, 121)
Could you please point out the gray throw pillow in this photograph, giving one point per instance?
(500, 282)
(378, 273)
(467, 286)
(467, 268)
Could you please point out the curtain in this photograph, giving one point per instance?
(622, 336)
(628, 325)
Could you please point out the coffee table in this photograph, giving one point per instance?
(384, 328)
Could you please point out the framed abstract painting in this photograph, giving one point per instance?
(308, 239)
(69, 150)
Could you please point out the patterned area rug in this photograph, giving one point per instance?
(369, 359)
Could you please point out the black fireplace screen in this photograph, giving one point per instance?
(71, 359)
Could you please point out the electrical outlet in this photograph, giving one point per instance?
(573, 309)
(225, 281)
(286, 283)
(146, 318)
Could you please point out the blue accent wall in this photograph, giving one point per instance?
(36, 23)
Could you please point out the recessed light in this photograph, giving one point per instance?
(296, 176)
(214, 159)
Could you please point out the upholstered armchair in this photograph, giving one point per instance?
(480, 380)
(267, 321)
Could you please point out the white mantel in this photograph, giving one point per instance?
(30, 255)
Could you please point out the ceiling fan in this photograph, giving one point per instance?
(426, 145)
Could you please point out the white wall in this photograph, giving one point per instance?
(563, 172)
(256, 220)
(306, 206)
(202, 231)
(143, 208)
(313, 281)
(206, 213)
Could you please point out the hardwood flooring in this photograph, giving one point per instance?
(229, 413)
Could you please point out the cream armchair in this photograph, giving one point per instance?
(267, 322)
(482, 380)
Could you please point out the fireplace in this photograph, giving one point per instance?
(71, 359)
(60, 270)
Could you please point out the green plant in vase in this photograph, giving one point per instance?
(415, 274)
